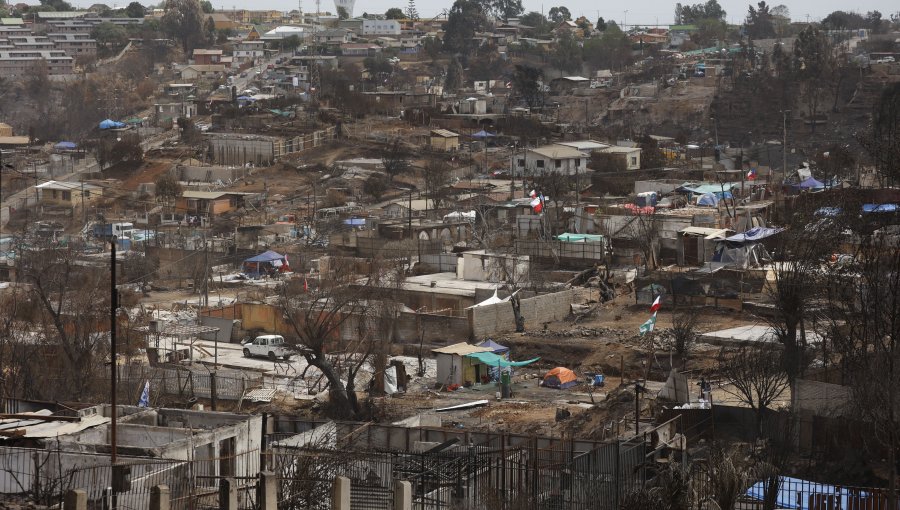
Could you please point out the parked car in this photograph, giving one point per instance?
(270, 346)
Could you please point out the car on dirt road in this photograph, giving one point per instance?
(269, 346)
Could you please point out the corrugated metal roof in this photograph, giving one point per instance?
(444, 133)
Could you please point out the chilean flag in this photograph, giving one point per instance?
(538, 203)
(655, 306)
(533, 194)
(751, 175)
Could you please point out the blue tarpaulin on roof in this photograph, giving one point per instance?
(483, 134)
(65, 146)
(268, 256)
(489, 358)
(753, 235)
(702, 189)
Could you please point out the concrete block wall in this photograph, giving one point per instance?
(493, 319)
(438, 329)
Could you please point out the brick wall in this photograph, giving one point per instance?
(438, 329)
(493, 319)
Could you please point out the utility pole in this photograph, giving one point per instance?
(114, 370)
(409, 214)
(784, 114)
(266, 201)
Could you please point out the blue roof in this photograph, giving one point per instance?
(494, 346)
(811, 183)
(702, 189)
(753, 235)
(795, 493)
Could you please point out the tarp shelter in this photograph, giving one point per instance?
(708, 200)
(454, 367)
(483, 134)
(493, 300)
(745, 250)
(811, 183)
(495, 360)
(559, 378)
(268, 262)
(111, 124)
(800, 494)
(580, 238)
(65, 146)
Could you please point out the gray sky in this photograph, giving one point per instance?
(646, 12)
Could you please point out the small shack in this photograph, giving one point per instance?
(444, 140)
(266, 263)
(453, 367)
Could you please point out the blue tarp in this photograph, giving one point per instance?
(580, 238)
(702, 189)
(66, 146)
(356, 222)
(867, 208)
(709, 200)
(795, 493)
(491, 359)
(268, 256)
(483, 134)
(753, 235)
(810, 183)
(111, 124)
(494, 346)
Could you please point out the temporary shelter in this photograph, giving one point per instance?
(496, 348)
(111, 124)
(746, 249)
(708, 200)
(65, 146)
(483, 134)
(266, 263)
(453, 367)
(560, 378)
(810, 184)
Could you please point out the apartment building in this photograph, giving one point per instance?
(75, 44)
(17, 63)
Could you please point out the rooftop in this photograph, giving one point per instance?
(558, 152)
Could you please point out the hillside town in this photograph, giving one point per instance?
(490, 257)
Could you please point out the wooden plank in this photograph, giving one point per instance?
(38, 417)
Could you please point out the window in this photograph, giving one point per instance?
(521, 162)
(558, 163)
(634, 160)
(540, 163)
(577, 162)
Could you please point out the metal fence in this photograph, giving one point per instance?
(186, 383)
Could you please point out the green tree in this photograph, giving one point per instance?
(58, 5)
(539, 23)
(690, 14)
(567, 54)
(394, 13)
(612, 50)
(135, 10)
(291, 42)
(759, 23)
(651, 155)
(814, 63)
(709, 31)
(342, 12)
(109, 35)
(601, 24)
(411, 11)
(504, 9)
(465, 19)
(526, 83)
(454, 78)
(183, 21)
(206, 6)
(209, 29)
(168, 188)
(559, 14)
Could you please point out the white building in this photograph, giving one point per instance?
(553, 159)
(631, 155)
(380, 27)
(248, 51)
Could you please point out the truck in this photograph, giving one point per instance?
(107, 230)
(270, 346)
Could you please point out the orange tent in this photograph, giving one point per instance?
(560, 378)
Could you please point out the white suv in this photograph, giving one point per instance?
(271, 346)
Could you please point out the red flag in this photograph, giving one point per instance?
(305, 285)
(655, 306)
(751, 175)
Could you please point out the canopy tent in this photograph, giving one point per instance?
(746, 249)
(483, 134)
(580, 238)
(559, 378)
(65, 146)
(111, 124)
(494, 360)
(494, 347)
(810, 183)
(268, 262)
